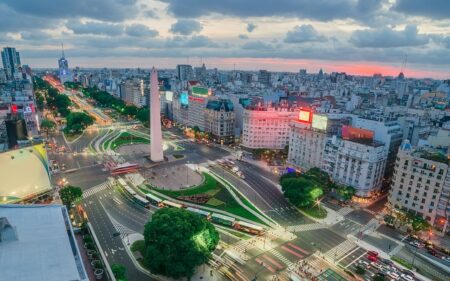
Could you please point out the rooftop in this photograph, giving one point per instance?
(45, 245)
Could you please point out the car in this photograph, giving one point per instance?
(372, 253)
(372, 258)
(393, 275)
(407, 272)
(407, 277)
(364, 263)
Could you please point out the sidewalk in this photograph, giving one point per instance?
(205, 272)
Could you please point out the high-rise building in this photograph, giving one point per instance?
(156, 145)
(11, 62)
(264, 77)
(421, 184)
(63, 65)
(132, 92)
(185, 72)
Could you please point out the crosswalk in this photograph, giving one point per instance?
(305, 227)
(340, 250)
(277, 254)
(123, 230)
(95, 189)
(345, 211)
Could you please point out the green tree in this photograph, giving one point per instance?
(47, 125)
(119, 271)
(77, 122)
(177, 241)
(70, 194)
(143, 115)
(378, 278)
(300, 191)
(130, 110)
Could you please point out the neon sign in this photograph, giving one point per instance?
(191, 98)
(305, 116)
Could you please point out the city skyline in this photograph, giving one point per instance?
(349, 36)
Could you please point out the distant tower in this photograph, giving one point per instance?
(156, 147)
(63, 65)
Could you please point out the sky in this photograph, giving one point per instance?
(355, 36)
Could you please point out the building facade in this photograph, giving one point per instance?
(220, 120)
(357, 164)
(421, 184)
(11, 62)
(267, 127)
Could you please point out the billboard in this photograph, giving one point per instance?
(352, 133)
(184, 98)
(319, 122)
(305, 116)
(200, 91)
(169, 96)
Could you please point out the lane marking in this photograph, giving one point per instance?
(273, 261)
(292, 252)
(298, 248)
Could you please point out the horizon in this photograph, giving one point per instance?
(353, 36)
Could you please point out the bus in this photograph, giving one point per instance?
(221, 219)
(202, 213)
(141, 201)
(154, 200)
(124, 168)
(249, 228)
(167, 203)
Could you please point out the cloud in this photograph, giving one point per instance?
(109, 10)
(323, 10)
(151, 14)
(304, 33)
(243, 36)
(186, 27)
(96, 28)
(36, 35)
(257, 45)
(388, 38)
(435, 9)
(12, 21)
(197, 41)
(251, 27)
(140, 30)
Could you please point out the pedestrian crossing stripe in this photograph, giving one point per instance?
(281, 257)
(305, 227)
(340, 250)
(95, 189)
(123, 230)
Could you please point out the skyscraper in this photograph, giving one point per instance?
(185, 72)
(11, 61)
(156, 147)
(63, 64)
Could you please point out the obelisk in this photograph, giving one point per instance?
(156, 146)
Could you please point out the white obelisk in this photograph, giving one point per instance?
(156, 147)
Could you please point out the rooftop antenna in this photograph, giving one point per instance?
(62, 49)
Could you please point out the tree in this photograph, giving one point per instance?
(47, 125)
(378, 278)
(300, 191)
(77, 122)
(177, 241)
(70, 194)
(119, 271)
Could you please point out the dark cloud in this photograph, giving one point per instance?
(140, 30)
(186, 27)
(110, 10)
(304, 33)
(243, 36)
(388, 38)
(12, 21)
(251, 27)
(435, 9)
(97, 28)
(323, 10)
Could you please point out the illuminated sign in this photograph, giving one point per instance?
(200, 91)
(305, 116)
(351, 133)
(191, 98)
(14, 108)
(319, 122)
(184, 98)
(169, 96)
